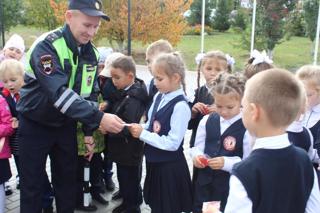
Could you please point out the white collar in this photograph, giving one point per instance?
(274, 142)
(316, 108)
(295, 126)
(231, 120)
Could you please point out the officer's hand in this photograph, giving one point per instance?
(111, 123)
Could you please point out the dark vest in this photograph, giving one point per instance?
(230, 143)
(315, 130)
(300, 139)
(163, 116)
(277, 180)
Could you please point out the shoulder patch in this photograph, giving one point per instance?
(47, 64)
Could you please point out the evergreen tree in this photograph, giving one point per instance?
(196, 12)
(221, 18)
(310, 8)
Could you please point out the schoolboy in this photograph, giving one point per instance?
(276, 177)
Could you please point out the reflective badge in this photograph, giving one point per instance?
(46, 62)
(97, 4)
(90, 68)
(156, 126)
(89, 80)
(229, 143)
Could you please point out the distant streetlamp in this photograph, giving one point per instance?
(129, 27)
(253, 25)
(315, 58)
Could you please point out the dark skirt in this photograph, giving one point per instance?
(167, 187)
(5, 172)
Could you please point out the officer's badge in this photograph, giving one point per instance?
(89, 80)
(229, 143)
(156, 126)
(47, 65)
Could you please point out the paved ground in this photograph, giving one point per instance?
(12, 202)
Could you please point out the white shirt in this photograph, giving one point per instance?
(311, 117)
(238, 200)
(297, 126)
(178, 124)
(200, 141)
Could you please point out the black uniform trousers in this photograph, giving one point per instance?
(36, 142)
(129, 178)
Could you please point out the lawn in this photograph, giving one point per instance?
(290, 54)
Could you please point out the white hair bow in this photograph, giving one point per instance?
(260, 57)
(199, 57)
(230, 60)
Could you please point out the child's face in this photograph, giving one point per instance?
(149, 60)
(313, 95)
(163, 82)
(120, 79)
(13, 82)
(13, 53)
(211, 68)
(227, 105)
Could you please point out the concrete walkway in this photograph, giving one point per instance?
(13, 201)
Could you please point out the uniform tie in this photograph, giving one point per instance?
(17, 97)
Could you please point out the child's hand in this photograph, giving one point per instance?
(103, 106)
(199, 161)
(216, 163)
(200, 108)
(14, 122)
(89, 143)
(211, 108)
(135, 130)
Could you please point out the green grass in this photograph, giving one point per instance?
(290, 54)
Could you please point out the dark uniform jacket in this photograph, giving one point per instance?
(46, 97)
(129, 105)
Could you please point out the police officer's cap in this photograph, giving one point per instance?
(88, 7)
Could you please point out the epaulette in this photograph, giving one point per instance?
(52, 36)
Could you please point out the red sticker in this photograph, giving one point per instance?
(229, 143)
(47, 65)
(203, 160)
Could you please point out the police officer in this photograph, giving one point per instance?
(59, 90)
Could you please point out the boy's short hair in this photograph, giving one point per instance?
(11, 66)
(160, 46)
(125, 63)
(310, 73)
(278, 92)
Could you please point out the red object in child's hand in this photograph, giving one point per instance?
(205, 110)
(203, 160)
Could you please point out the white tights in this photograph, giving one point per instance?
(2, 198)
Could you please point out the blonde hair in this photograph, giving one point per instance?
(11, 66)
(251, 69)
(160, 46)
(226, 83)
(310, 73)
(217, 54)
(172, 63)
(278, 93)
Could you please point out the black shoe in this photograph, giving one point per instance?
(8, 190)
(119, 209)
(109, 185)
(97, 197)
(90, 208)
(117, 195)
(47, 210)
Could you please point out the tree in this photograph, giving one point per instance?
(12, 11)
(196, 12)
(310, 8)
(221, 18)
(270, 22)
(40, 14)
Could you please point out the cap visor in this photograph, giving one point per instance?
(91, 12)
